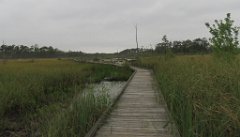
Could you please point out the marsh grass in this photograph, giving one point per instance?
(33, 92)
(203, 94)
(77, 120)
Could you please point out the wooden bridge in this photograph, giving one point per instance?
(139, 112)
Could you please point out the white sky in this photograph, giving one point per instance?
(108, 25)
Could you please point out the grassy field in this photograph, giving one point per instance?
(202, 93)
(38, 96)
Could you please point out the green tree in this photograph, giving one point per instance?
(163, 46)
(167, 46)
(224, 41)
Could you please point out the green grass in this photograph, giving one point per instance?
(35, 92)
(203, 94)
(78, 118)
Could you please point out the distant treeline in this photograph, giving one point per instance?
(199, 45)
(196, 46)
(22, 51)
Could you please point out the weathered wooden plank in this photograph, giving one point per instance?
(112, 130)
(139, 124)
(127, 120)
(131, 135)
(142, 110)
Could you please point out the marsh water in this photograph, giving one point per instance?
(111, 88)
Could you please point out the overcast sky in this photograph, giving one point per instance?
(108, 25)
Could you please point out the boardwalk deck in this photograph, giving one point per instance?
(138, 113)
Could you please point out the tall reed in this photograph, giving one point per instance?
(77, 120)
(203, 94)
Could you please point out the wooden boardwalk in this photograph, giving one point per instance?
(138, 113)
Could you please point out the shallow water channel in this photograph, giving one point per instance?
(112, 88)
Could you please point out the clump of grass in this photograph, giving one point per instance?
(119, 73)
(34, 91)
(202, 94)
(79, 117)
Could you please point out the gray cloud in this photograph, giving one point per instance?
(107, 25)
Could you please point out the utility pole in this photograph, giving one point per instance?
(136, 27)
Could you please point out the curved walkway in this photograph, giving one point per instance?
(138, 113)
